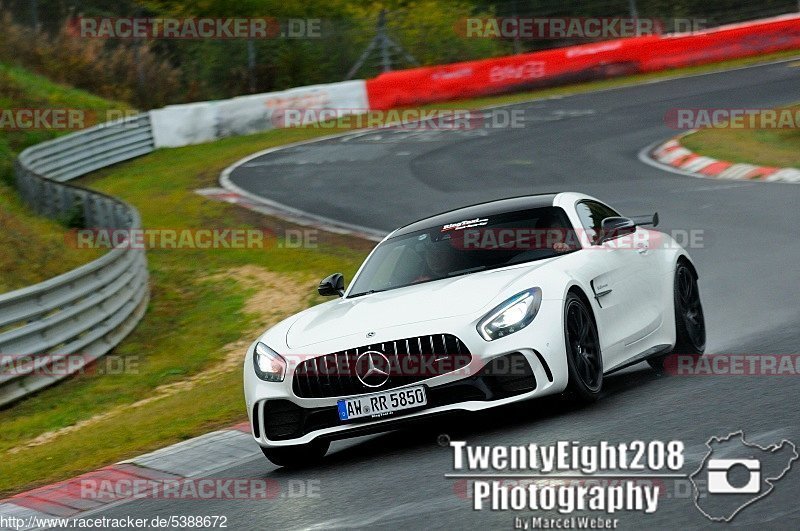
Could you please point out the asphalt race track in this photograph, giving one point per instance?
(749, 281)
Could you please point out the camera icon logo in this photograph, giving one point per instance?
(719, 472)
(735, 474)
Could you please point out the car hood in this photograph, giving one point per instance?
(429, 301)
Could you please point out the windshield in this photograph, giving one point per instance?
(466, 246)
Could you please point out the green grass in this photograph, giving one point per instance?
(33, 249)
(190, 319)
(193, 313)
(21, 89)
(766, 147)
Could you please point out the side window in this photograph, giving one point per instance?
(592, 214)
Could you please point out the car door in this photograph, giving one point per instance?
(616, 274)
(652, 272)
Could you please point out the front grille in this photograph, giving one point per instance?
(410, 360)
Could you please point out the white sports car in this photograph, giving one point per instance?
(473, 309)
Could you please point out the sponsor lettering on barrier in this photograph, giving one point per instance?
(645, 53)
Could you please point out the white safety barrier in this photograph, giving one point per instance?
(193, 123)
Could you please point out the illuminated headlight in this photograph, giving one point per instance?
(513, 315)
(269, 365)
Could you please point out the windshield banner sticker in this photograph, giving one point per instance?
(466, 224)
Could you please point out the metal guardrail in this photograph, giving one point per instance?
(55, 328)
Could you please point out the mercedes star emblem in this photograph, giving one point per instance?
(372, 368)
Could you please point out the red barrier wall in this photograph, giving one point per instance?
(575, 63)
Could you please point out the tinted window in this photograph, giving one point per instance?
(592, 214)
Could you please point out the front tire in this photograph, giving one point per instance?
(299, 456)
(690, 324)
(584, 357)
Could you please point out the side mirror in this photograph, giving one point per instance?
(615, 227)
(332, 285)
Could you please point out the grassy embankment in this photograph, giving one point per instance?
(33, 249)
(765, 147)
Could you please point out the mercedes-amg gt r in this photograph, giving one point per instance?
(472, 309)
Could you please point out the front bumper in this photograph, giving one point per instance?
(278, 417)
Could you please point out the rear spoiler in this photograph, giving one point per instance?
(646, 220)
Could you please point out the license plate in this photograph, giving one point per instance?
(382, 404)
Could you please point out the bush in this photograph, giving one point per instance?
(129, 72)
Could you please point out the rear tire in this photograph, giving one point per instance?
(584, 358)
(690, 324)
(299, 456)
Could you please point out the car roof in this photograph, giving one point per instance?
(490, 208)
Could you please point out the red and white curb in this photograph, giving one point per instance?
(193, 458)
(673, 155)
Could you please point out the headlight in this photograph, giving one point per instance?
(513, 315)
(270, 366)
